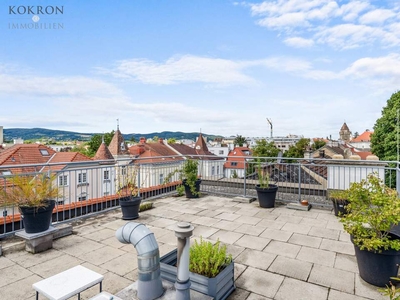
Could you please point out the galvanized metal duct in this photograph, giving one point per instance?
(149, 281)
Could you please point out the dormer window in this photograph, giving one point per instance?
(44, 152)
(122, 146)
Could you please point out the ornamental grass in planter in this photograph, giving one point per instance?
(266, 192)
(129, 194)
(373, 212)
(211, 269)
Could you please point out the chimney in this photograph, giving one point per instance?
(322, 153)
(142, 140)
(161, 141)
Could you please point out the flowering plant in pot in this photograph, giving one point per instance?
(266, 192)
(188, 174)
(129, 194)
(35, 197)
(373, 213)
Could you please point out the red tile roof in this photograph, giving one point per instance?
(117, 145)
(364, 137)
(61, 157)
(234, 156)
(103, 153)
(148, 152)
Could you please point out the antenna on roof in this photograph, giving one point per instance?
(270, 123)
(117, 124)
(102, 138)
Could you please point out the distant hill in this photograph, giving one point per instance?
(61, 135)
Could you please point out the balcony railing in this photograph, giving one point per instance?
(91, 187)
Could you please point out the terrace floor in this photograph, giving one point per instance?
(279, 253)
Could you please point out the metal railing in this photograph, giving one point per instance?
(92, 187)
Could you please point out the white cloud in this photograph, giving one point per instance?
(299, 42)
(376, 16)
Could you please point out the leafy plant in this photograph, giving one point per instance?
(338, 195)
(391, 291)
(127, 183)
(187, 173)
(263, 177)
(32, 191)
(145, 206)
(208, 259)
(374, 209)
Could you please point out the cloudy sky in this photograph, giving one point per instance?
(219, 66)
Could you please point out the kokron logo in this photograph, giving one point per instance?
(35, 10)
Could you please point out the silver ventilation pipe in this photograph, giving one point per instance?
(149, 281)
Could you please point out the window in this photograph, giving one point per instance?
(161, 178)
(221, 152)
(106, 193)
(63, 180)
(44, 152)
(6, 172)
(213, 170)
(123, 170)
(106, 175)
(82, 179)
(217, 170)
(233, 163)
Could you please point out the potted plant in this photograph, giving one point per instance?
(190, 180)
(339, 201)
(266, 192)
(129, 194)
(211, 269)
(34, 195)
(373, 212)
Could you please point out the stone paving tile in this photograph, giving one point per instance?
(344, 237)
(306, 214)
(254, 296)
(158, 232)
(204, 231)
(206, 221)
(248, 220)
(112, 242)
(333, 278)
(12, 274)
(277, 235)
(325, 233)
(239, 294)
(114, 225)
(79, 248)
(291, 267)
(186, 218)
(165, 248)
(227, 209)
(289, 218)
(336, 295)
(250, 229)
(234, 250)
(296, 228)
(208, 213)
(337, 246)
(305, 240)
(227, 216)
(272, 224)
(28, 260)
(239, 269)
(252, 242)
(256, 259)
(21, 289)
(250, 212)
(226, 237)
(317, 256)
(346, 262)
(121, 265)
(5, 262)
(168, 238)
(366, 290)
(102, 255)
(161, 222)
(56, 265)
(112, 283)
(282, 211)
(295, 289)
(265, 215)
(284, 249)
(314, 222)
(267, 284)
(227, 225)
(334, 224)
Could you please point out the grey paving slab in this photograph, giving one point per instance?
(168, 238)
(281, 248)
(112, 242)
(204, 231)
(206, 221)
(28, 260)
(254, 296)
(227, 216)
(289, 218)
(12, 274)
(344, 237)
(250, 229)
(79, 248)
(252, 242)
(248, 220)
(265, 215)
(121, 265)
(162, 223)
(317, 256)
(334, 224)
(5, 262)
(305, 240)
(227, 209)
(234, 250)
(314, 222)
(291, 267)
(185, 218)
(363, 289)
(101, 255)
(21, 289)
(239, 269)
(277, 235)
(164, 248)
(256, 259)
(239, 294)
(346, 262)
(100, 234)
(208, 213)
(227, 225)
(158, 232)
(337, 246)
(296, 228)
(337, 295)
(270, 223)
(334, 278)
(248, 211)
(299, 290)
(325, 233)
(114, 225)
(260, 282)
(282, 211)
(310, 214)
(227, 237)
(55, 265)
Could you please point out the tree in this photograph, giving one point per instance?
(265, 149)
(356, 134)
(171, 141)
(96, 141)
(155, 138)
(384, 138)
(318, 144)
(239, 140)
(297, 151)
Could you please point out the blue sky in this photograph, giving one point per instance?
(219, 66)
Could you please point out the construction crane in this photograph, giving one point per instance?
(270, 123)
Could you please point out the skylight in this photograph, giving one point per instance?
(44, 152)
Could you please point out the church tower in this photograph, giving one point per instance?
(345, 133)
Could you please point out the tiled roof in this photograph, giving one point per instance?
(344, 127)
(148, 151)
(234, 157)
(118, 145)
(103, 153)
(61, 157)
(364, 137)
(200, 148)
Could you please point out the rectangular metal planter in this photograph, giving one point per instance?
(219, 287)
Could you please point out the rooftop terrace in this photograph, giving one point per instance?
(278, 253)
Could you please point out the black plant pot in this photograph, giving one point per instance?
(130, 207)
(267, 196)
(188, 192)
(37, 219)
(339, 206)
(377, 268)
